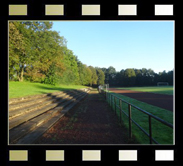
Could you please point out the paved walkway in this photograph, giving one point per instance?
(92, 122)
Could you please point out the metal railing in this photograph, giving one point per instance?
(111, 98)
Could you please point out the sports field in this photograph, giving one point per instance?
(161, 99)
(168, 90)
(155, 100)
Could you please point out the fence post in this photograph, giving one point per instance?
(130, 122)
(115, 104)
(120, 105)
(150, 130)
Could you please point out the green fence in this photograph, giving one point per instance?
(126, 115)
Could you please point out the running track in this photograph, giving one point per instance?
(159, 100)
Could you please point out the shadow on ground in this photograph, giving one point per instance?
(91, 122)
(53, 88)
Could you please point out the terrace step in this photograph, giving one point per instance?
(18, 102)
(29, 126)
(35, 112)
(32, 136)
(47, 115)
(26, 103)
(27, 98)
(29, 106)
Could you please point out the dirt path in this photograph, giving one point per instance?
(92, 122)
(159, 100)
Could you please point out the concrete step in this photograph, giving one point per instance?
(24, 108)
(26, 103)
(30, 125)
(27, 98)
(33, 135)
(18, 112)
(28, 115)
(19, 102)
(41, 116)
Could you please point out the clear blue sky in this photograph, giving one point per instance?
(121, 44)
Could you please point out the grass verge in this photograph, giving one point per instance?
(160, 132)
(22, 89)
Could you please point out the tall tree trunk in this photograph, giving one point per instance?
(20, 78)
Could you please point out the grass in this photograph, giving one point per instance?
(22, 89)
(153, 89)
(160, 132)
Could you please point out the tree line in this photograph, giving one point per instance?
(39, 54)
(136, 77)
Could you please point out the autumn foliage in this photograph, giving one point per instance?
(39, 54)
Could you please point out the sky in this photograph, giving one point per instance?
(121, 44)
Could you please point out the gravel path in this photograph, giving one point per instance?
(159, 100)
(91, 122)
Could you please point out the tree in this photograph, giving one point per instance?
(71, 73)
(51, 77)
(129, 77)
(18, 48)
(88, 76)
(85, 74)
(119, 79)
(138, 80)
(111, 74)
(101, 76)
(106, 74)
(38, 45)
(122, 77)
(170, 77)
(94, 76)
(144, 78)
